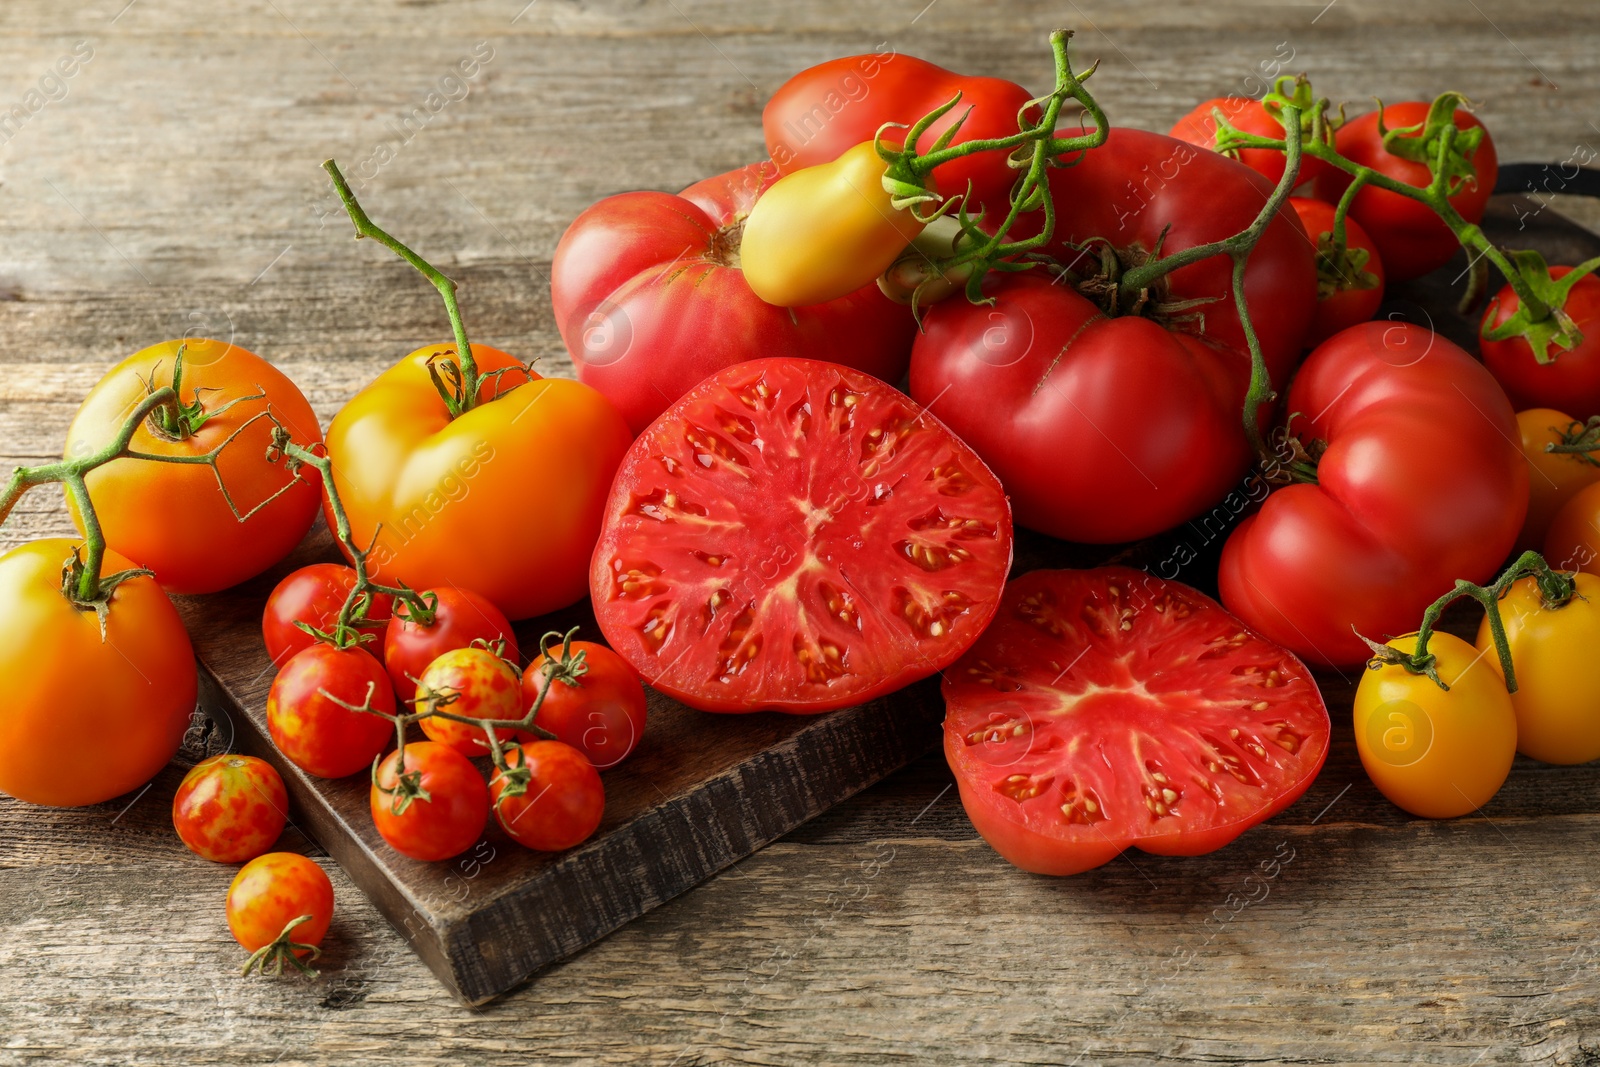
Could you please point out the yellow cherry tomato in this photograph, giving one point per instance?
(824, 232)
(1553, 650)
(1433, 752)
(1554, 478)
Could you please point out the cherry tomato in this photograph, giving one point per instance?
(650, 298)
(460, 618)
(1571, 380)
(172, 517)
(1110, 708)
(274, 890)
(1553, 477)
(795, 535)
(314, 595)
(600, 713)
(1248, 115)
(87, 715)
(322, 737)
(1573, 542)
(453, 496)
(1350, 291)
(1433, 752)
(1420, 484)
(564, 800)
(1411, 239)
(443, 823)
(230, 808)
(471, 682)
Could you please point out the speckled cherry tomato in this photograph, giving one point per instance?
(318, 735)
(460, 617)
(443, 823)
(314, 595)
(230, 808)
(473, 682)
(274, 890)
(564, 800)
(600, 712)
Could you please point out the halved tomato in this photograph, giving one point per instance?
(1110, 708)
(797, 536)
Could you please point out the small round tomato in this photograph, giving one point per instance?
(1248, 115)
(230, 808)
(474, 683)
(279, 908)
(1573, 542)
(444, 817)
(1350, 290)
(563, 802)
(460, 618)
(1558, 678)
(314, 595)
(1434, 752)
(318, 735)
(1554, 477)
(1571, 380)
(600, 712)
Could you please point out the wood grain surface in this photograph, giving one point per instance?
(172, 188)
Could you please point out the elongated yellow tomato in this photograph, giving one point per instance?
(1433, 752)
(503, 500)
(1553, 652)
(824, 232)
(1553, 477)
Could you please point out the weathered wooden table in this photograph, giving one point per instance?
(170, 187)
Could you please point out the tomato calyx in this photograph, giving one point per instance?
(175, 420)
(284, 949)
(73, 576)
(568, 667)
(1580, 439)
(1556, 331)
(1437, 143)
(407, 784)
(1341, 267)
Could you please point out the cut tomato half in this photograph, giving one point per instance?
(1110, 708)
(797, 536)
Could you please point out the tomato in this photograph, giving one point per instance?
(650, 298)
(87, 715)
(1420, 484)
(824, 111)
(318, 735)
(504, 500)
(460, 618)
(564, 800)
(171, 517)
(230, 808)
(442, 822)
(474, 683)
(273, 891)
(1554, 477)
(1110, 708)
(1349, 292)
(1571, 380)
(1248, 115)
(1573, 542)
(796, 536)
(1557, 701)
(314, 594)
(601, 712)
(1433, 752)
(1411, 239)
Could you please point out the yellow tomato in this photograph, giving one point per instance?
(1558, 673)
(1554, 477)
(824, 232)
(1433, 752)
(1573, 542)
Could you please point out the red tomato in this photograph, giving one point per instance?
(1411, 239)
(314, 595)
(1248, 115)
(1347, 293)
(1110, 708)
(472, 682)
(795, 535)
(230, 808)
(1571, 380)
(564, 801)
(316, 734)
(649, 299)
(274, 890)
(600, 713)
(1422, 482)
(460, 618)
(444, 823)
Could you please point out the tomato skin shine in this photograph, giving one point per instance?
(1558, 676)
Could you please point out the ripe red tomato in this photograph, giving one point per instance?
(1248, 115)
(444, 823)
(314, 595)
(795, 535)
(230, 808)
(171, 517)
(472, 682)
(460, 618)
(1422, 482)
(1411, 239)
(1110, 708)
(316, 734)
(600, 713)
(274, 890)
(1571, 380)
(564, 801)
(1347, 293)
(650, 298)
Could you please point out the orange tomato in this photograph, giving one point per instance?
(1553, 478)
(1573, 541)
